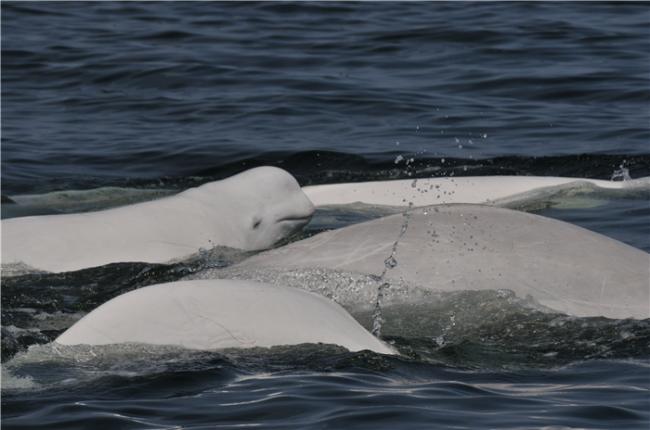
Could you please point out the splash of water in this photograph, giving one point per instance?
(377, 316)
(621, 174)
(389, 263)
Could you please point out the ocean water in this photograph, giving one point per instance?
(105, 104)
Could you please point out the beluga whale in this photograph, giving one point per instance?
(252, 210)
(493, 190)
(220, 314)
(459, 247)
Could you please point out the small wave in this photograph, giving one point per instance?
(55, 366)
(58, 366)
(11, 382)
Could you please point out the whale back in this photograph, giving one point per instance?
(215, 314)
(447, 190)
(471, 247)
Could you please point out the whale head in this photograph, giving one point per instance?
(271, 204)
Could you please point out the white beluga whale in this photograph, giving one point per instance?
(472, 247)
(250, 211)
(497, 190)
(220, 314)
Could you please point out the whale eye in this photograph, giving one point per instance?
(256, 222)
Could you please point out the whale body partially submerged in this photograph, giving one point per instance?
(472, 247)
(251, 211)
(220, 314)
(446, 190)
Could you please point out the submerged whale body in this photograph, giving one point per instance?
(471, 247)
(447, 190)
(213, 314)
(251, 211)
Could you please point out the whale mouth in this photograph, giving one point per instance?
(296, 219)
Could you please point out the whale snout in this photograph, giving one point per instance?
(303, 209)
(296, 208)
(297, 213)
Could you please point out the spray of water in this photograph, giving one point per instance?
(621, 174)
(389, 263)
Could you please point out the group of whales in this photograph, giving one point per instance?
(457, 244)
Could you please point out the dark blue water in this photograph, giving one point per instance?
(163, 96)
(102, 92)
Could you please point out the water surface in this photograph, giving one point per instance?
(151, 98)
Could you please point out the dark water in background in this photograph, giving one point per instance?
(95, 93)
(168, 95)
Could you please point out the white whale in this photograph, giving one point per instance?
(471, 189)
(250, 211)
(471, 247)
(212, 315)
